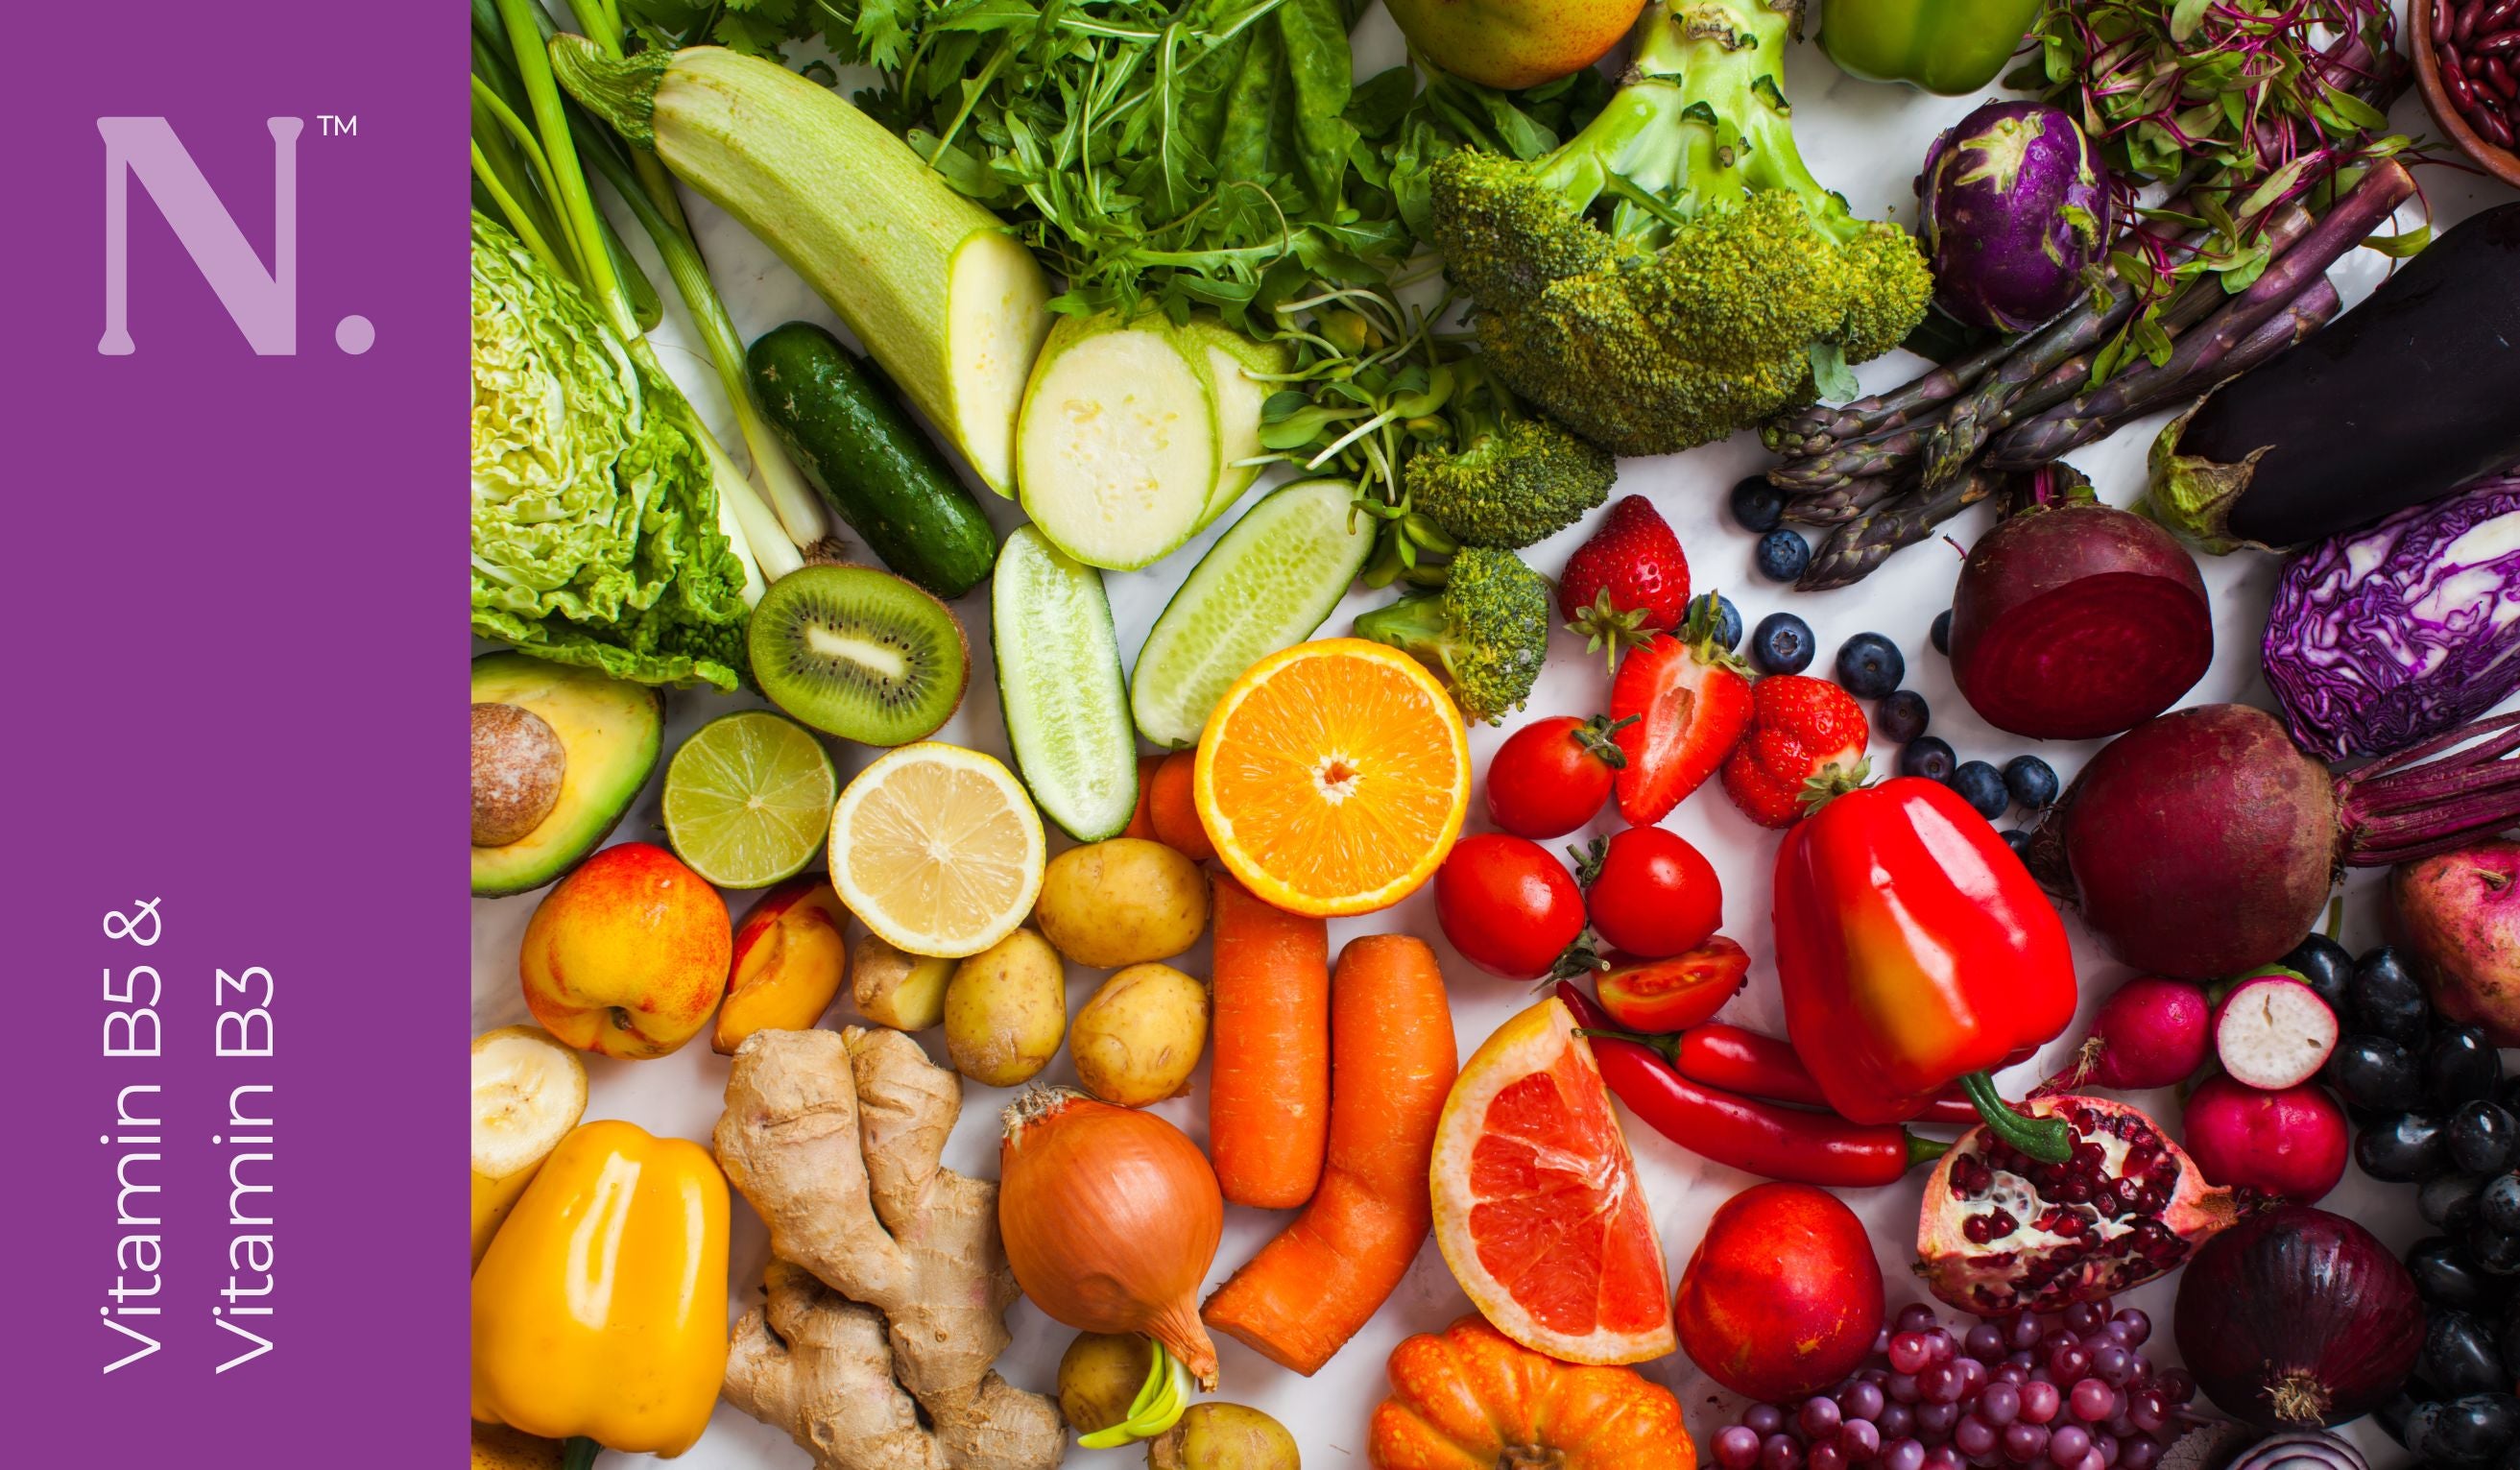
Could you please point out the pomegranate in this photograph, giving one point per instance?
(2002, 1233)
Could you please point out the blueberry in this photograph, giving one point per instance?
(1929, 756)
(2460, 1353)
(1868, 665)
(1942, 633)
(1782, 555)
(1901, 717)
(2328, 965)
(2015, 839)
(1981, 786)
(2446, 1277)
(1781, 644)
(2031, 780)
(2401, 1149)
(1728, 619)
(1758, 505)
(2481, 1136)
(2461, 1065)
(2499, 1205)
(2386, 1002)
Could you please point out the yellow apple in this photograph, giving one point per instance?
(791, 952)
(628, 956)
(1515, 43)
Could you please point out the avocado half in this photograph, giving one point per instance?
(612, 731)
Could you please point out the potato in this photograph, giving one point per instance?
(1138, 1038)
(1121, 902)
(518, 763)
(1224, 1437)
(1006, 1009)
(496, 1446)
(905, 991)
(1099, 1378)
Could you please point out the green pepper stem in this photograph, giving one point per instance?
(1667, 1047)
(1924, 1150)
(579, 1453)
(2046, 1140)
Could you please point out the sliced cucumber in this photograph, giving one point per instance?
(1266, 585)
(1060, 687)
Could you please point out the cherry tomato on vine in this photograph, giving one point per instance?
(1651, 893)
(1508, 904)
(1553, 775)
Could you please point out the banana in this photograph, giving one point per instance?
(529, 1091)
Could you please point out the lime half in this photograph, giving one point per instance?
(749, 799)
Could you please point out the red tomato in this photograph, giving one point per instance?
(1654, 894)
(1657, 995)
(1507, 905)
(1552, 776)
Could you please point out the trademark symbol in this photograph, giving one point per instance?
(328, 125)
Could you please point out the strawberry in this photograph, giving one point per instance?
(1802, 729)
(1689, 701)
(1627, 583)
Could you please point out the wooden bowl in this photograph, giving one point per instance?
(2501, 163)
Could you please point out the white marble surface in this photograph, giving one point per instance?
(1864, 140)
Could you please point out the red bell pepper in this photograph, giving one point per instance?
(1914, 950)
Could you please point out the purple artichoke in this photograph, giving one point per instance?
(2382, 637)
(2017, 203)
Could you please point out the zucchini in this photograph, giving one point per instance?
(950, 303)
(873, 466)
(1060, 687)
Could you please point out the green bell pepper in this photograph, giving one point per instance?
(1951, 47)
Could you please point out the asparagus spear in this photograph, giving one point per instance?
(1854, 549)
(1823, 426)
(1847, 499)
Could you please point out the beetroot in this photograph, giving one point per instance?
(2150, 1032)
(2203, 843)
(2291, 1142)
(2455, 918)
(2078, 620)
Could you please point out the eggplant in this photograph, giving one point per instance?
(2410, 395)
(2015, 206)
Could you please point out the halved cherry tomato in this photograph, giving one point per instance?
(1651, 893)
(1676, 994)
(1552, 775)
(1507, 905)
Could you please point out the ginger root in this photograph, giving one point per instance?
(890, 1283)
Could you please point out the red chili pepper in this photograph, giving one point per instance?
(1763, 1066)
(1757, 1137)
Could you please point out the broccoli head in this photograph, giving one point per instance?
(1674, 272)
(1507, 477)
(1485, 633)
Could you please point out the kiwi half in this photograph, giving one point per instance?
(859, 653)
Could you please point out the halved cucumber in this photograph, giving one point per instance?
(1060, 687)
(1266, 585)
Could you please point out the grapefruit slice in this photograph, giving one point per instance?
(1537, 1205)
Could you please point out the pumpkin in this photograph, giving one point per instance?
(1472, 1398)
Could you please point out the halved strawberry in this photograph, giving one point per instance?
(1801, 729)
(1690, 701)
(1657, 995)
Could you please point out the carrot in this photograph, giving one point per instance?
(1268, 1093)
(1176, 811)
(1392, 1061)
(1142, 822)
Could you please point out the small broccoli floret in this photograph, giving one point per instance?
(1674, 272)
(1485, 635)
(1519, 481)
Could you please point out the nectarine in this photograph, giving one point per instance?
(628, 956)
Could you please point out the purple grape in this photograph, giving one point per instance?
(2012, 1373)
(2058, 1337)
(2122, 1423)
(2091, 1460)
(2107, 1447)
(2021, 1331)
(2094, 1401)
(2040, 1402)
(1896, 1421)
(2112, 1364)
(1862, 1401)
(2069, 1361)
(1764, 1419)
(2146, 1411)
(1859, 1439)
(1736, 1447)
(1985, 1343)
(2177, 1385)
(1943, 1457)
(2138, 1455)
(2024, 1442)
(1902, 1388)
(1825, 1458)
(1906, 1454)
(1999, 1404)
(2139, 1375)
(1934, 1421)
(1882, 1342)
(1941, 1383)
(1909, 1353)
(1973, 1437)
(2137, 1325)
(1940, 1346)
(1974, 1376)
(1917, 1316)
(2067, 1442)
(1819, 1418)
(1778, 1451)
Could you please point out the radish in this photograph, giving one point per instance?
(2272, 1031)
(2203, 841)
(2291, 1142)
(2075, 621)
(2150, 1032)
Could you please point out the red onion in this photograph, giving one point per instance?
(2296, 1318)
(2306, 1451)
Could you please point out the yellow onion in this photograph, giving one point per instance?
(1111, 1218)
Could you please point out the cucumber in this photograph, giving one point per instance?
(870, 462)
(1266, 585)
(1060, 689)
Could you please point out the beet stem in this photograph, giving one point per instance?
(2407, 806)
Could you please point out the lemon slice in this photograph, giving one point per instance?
(748, 797)
(937, 848)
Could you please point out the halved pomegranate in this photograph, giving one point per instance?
(2002, 1233)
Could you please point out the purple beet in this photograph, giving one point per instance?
(2015, 205)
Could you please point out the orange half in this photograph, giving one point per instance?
(1537, 1205)
(1333, 776)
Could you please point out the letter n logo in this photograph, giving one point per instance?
(262, 304)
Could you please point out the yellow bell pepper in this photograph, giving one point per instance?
(600, 1311)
